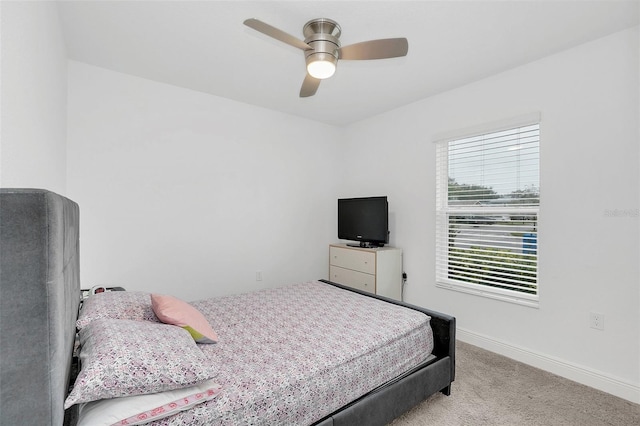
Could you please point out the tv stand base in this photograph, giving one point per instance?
(366, 245)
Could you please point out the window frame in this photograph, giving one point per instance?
(444, 211)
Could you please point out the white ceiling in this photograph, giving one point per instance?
(204, 46)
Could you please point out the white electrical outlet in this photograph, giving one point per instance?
(258, 275)
(596, 320)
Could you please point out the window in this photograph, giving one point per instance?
(488, 201)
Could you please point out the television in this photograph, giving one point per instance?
(365, 220)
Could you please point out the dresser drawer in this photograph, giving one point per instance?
(351, 278)
(356, 260)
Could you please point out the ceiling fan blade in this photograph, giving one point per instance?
(309, 86)
(375, 49)
(276, 33)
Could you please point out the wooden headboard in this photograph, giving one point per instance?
(39, 298)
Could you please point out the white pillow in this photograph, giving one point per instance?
(142, 409)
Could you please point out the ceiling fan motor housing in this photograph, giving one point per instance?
(322, 48)
(323, 36)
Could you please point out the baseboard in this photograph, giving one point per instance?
(562, 368)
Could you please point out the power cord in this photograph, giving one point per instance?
(404, 281)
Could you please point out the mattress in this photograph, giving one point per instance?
(295, 354)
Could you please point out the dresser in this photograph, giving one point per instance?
(376, 270)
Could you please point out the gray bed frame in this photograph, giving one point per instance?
(39, 299)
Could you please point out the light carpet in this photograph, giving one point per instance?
(491, 389)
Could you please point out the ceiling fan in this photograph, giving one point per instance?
(322, 48)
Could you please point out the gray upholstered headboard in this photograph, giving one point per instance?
(39, 297)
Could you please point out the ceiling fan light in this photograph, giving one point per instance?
(321, 69)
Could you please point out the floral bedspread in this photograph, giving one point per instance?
(294, 354)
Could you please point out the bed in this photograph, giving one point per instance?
(39, 299)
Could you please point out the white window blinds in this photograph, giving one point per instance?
(488, 201)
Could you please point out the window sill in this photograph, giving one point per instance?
(490, 293)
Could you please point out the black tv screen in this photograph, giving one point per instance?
(365, 220)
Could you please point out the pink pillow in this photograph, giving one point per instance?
(171, 310)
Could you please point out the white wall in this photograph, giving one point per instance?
(588, 98)
(34, 89)
(192, 194)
